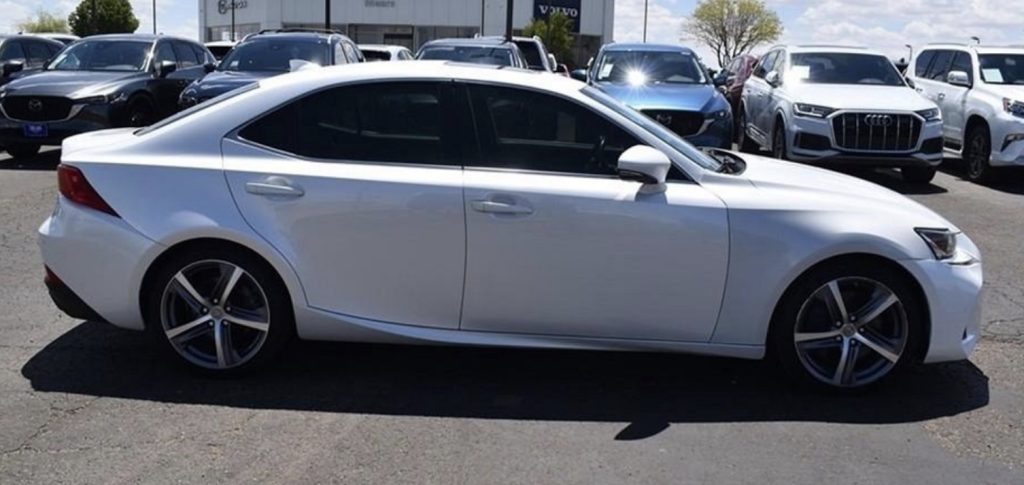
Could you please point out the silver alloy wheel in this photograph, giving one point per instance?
(851, 332)
(215, 314)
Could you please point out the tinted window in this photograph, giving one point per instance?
(1002, 68)
(521, 129)
(38, 53)
(351, 52)
(12, 51)
(940, 65)
(275, 55)
(844, 68)
(962, 62)
(765, 65)
(501, 56)
(378, 122)
(200, 53)
(923, 59)
(165, 53)
(639, 68)
(103, 55)
(186, 56)
(376, 56)
(531, 52)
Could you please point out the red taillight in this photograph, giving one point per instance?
(76, 188)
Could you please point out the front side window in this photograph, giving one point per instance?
(843, 68)
(527, 130)
(186, 56)
(165, 53)
(764, 66)
(962, 63)
(393, 122)
(274, 55)
(499, 56)
(1002, 68)
(651, 67)
(11, 51)
(103, 55)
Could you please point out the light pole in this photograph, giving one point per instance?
(483, 15)
(508, 20)
(327, 14)
(154, 17)
(645, 21)
(232, 20)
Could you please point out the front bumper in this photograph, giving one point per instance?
(716, 133)
(89, 118)
(954, 294)
(1007, 152)
(928, 152)
(100, 259)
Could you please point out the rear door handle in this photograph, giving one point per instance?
(942, 96)
(494, 207)
(274, 185)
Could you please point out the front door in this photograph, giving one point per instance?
(357, 187)
(557, 244)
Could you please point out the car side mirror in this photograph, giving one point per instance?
(958, 78)
(773, 78)
(209, 67)
(721, 79)
(165, 68)
(646, 165)
(12, 67)
(579, 75)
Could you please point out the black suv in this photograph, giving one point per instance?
(21, 54)
(269, 53)
(99, 82)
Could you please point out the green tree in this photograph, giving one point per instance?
(555, 32)
(733, 27)
(43, 22)
(110, 17)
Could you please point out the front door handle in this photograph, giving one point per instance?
(495, 207)
(274, 185)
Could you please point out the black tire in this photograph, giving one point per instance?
(744, 142)
(918, 175)
(782, 346)
(779, 141)
(977, 150)
(140, 113)
(164, 301)
(23, 150)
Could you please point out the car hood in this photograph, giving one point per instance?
(895, 98)
(73, 84)
(801, 187)
(1010, 91)
(220, 82)
(683, 97)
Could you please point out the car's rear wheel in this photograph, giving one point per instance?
(742, 139)
(978, 150)
(918, 175)
(220, 310)
(23, 150)
(847, 325)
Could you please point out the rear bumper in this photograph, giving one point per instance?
(67, 301)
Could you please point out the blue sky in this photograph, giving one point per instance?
(886, 25)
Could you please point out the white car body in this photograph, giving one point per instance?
(395, 52)
(765, 106)
(981, 102)
(401, 253)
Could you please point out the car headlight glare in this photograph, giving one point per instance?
(932, 114)
(942, 242)
(1013, 107)
(103, 99)
(812, 110)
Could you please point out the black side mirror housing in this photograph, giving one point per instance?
(209, 67)
(579, 75)
(165, 68)
(12, 67)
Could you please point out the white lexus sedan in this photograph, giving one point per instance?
(478, 205)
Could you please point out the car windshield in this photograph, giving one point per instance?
(102, 55)
(274, 55)
(498, 56)
(843, 68)
(1002, 68)
(657, 129)
(636, 67)
(531, 52)
(376, 56)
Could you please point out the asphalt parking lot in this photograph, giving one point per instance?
(83, 402)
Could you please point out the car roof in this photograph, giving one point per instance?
(138, 37)
(299, 36)
(638, 46)
(474, 42)
(831, 49)
(981, 49)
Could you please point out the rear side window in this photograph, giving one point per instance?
(11, 50)
(527, 130)
(392, 122)
(38, 54)
(940, 66)
(923, 60)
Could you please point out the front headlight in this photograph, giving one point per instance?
(1013, 107)
(103, 99)
(942, 242)
(812, 110)
(932, 114)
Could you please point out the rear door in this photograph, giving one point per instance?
(756, 92)
(558, 244)
(360, 189)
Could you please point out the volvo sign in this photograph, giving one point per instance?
(543, 9)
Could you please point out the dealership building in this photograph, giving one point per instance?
(406, 22)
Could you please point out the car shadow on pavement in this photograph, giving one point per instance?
(648, 391)
(1008, 180)
(46, 160)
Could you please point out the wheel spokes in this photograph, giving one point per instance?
(802, 337)
(228, 286)
(222, 342)
(881, 302)
(190, 291)
(879, 348)
(836, 304)
(178, 331)
(261, 326)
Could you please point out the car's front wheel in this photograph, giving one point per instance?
(746, 145)
(219, 309)
(977, 153)
(847, 325)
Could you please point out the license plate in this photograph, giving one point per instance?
(35, 130)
